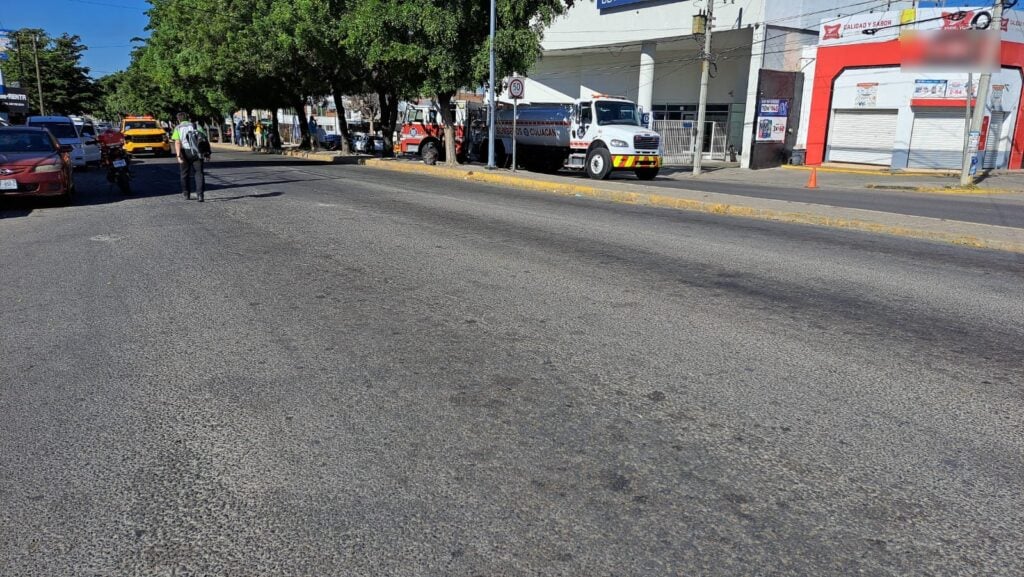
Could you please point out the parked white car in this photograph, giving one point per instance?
(63, 129)
(88, 133)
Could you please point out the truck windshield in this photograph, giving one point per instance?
(140, 125)
(612, 112)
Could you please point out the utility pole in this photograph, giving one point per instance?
(705, 71)
(39, 81)
(966, 178)
(492, 117)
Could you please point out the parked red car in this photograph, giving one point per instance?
(32, 163)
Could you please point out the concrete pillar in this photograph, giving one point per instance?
(750, 111)
(645, 91)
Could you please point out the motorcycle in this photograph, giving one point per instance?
(116, 161)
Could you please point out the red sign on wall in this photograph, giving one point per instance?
(984, 133)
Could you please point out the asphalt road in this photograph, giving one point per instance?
(338, 371)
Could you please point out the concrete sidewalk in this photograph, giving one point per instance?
(632, 192)
(859, 177)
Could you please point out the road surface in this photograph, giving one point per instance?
(329, 370)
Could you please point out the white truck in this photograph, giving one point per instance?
(598, 135)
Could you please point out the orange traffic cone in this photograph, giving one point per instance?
(812, 182)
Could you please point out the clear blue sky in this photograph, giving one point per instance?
(106, 26)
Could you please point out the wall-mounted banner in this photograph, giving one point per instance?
(774, 107)
(930, 88)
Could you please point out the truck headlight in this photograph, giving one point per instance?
(619, 143)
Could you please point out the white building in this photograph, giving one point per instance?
(645, 50)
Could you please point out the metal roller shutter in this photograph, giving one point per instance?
(937, 140)
(994, 141)
(862, 136)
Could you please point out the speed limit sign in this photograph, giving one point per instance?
(516, 88)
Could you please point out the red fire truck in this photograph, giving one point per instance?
(422, 132)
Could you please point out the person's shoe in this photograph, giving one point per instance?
(200, 198)
(187, 195)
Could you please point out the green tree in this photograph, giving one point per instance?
(457, 32)
(66, 85)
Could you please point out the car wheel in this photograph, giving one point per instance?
(599, 163)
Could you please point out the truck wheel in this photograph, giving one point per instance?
(430, 153)
(646, 173)
(599, 163)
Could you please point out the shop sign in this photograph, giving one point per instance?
(956, 89)
(771, 129)
(930, 88)
(610, 4)
(867, 95)
(14, 101)
(888, 25)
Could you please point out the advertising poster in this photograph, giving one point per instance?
(997, 96)
(867, 95)
(774, 107)
(956, 89)
(930, 89)
(771, 129)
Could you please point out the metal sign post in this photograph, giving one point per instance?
(516, 89)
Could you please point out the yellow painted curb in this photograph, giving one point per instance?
(672, 202)
(867, 171)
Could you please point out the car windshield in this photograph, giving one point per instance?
(25, 141)
(611, 112)
(59, 129)
(140, 124)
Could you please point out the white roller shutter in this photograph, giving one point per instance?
(862, 136)
(937, 140)
(994, 142)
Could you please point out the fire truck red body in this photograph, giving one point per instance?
(422, 132)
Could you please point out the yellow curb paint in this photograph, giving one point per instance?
(867, 171)
(664, 201)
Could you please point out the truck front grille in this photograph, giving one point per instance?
(645, 142)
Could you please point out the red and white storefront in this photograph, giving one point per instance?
(865, 109)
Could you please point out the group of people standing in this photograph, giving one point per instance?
(254, 135)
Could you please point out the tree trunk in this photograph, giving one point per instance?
(448, 122)
(300, 114)
(339, 107)
(275, 130)
(388, 117)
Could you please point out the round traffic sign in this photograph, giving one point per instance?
(516, 88)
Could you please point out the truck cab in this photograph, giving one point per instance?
(422, 132)
(607, 136)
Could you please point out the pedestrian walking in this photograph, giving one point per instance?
(238, 132)
(259, 135)
(187, 146)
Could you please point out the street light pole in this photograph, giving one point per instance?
(705, 72)
(491, 115)
(39, 81)
(966, 178)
